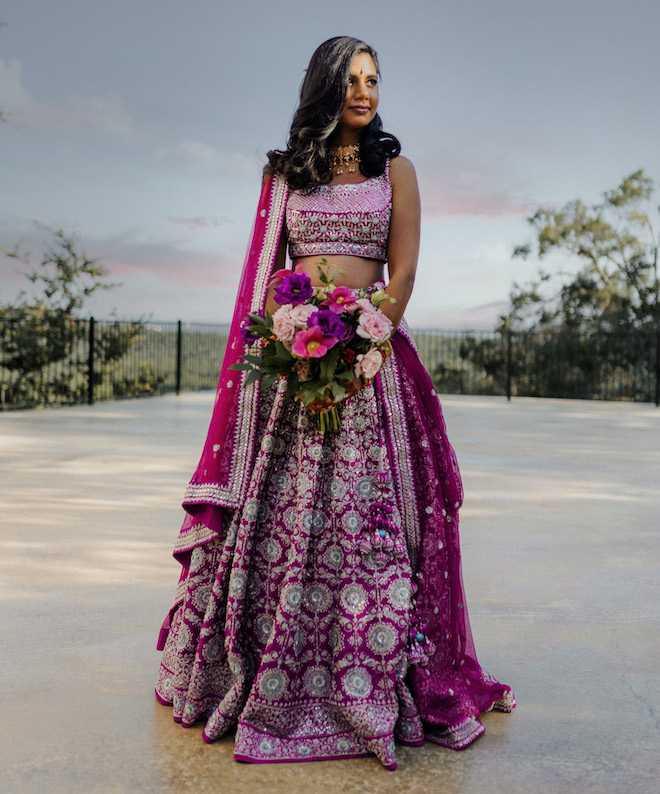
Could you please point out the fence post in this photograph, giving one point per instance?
(657, 368)
(90, 363)
(509, 359)
(179, 346)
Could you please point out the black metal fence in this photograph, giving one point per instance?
(65, 363)
(57, 360)
(602, 366)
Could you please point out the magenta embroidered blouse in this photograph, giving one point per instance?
(353, 220)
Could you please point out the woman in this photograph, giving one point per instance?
(320, 609)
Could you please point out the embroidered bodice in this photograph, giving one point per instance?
(353, 220)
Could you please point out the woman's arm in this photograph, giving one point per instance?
(403, 245)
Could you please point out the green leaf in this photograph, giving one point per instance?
(254, 359)
(329, 364)
(282, 353)
(338, 392)
(292, 385)
(252, 377)
(268, 379)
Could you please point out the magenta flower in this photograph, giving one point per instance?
(312, 343)
(342, 299)
(294, 288)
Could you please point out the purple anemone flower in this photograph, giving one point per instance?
(248, 336)
(294, 288)
(330, 323)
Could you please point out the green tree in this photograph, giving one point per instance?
(65, 278)
(44, 337)
(589, 332)
(614, 241)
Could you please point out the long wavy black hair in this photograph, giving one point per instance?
(304, 163)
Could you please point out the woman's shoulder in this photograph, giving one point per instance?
(402, 172)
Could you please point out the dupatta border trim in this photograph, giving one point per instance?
(399, 436)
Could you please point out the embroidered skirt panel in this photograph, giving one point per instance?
(328, 620)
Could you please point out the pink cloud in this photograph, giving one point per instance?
(169, 261)
(456, 197)
(465, 179)
(104, 112)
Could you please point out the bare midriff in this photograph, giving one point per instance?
(350, 271)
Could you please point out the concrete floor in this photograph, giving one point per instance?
(561, 531)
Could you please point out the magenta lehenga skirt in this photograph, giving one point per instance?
(329, 619)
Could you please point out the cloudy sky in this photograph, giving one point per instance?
(142, 125)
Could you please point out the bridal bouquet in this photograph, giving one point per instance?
(328, 341)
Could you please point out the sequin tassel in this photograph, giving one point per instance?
(420, 647)
(384, 534)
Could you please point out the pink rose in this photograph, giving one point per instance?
(369, 363)
(374, 326)
(301, 313)
(283, 325)
(312, 343)
(366, 305)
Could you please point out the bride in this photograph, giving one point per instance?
(320, 610)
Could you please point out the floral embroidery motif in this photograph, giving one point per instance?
(381, 638)
(292, 596)
(357, 683)
(317, 682)
(273, 683)
(334, 557)
(354, 598)
(399, 593)
(317, 598)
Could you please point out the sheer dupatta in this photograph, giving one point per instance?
(221, 478)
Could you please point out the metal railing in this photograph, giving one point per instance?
(58, 363)
(58, 360)
(602, 366)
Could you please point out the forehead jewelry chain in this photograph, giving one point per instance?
(344, 156)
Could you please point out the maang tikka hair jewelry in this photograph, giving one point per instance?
(340, 156)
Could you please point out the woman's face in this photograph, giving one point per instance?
(361, 94)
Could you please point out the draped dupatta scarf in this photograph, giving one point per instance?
(222, 475)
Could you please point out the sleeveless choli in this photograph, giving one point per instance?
(326, 618)
(346, 219)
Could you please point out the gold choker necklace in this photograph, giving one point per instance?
(340, 156)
